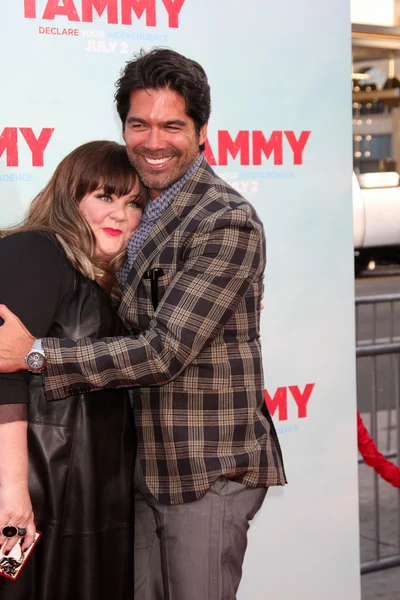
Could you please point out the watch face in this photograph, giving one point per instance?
(35, 360)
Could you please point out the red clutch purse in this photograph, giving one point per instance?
(11, 565)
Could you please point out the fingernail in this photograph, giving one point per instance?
(6, 553)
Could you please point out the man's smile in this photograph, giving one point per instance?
(157, 164)
(157, 161)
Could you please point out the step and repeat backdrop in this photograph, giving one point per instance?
(280, 133)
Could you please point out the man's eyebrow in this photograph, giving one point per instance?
(174, 122)
(135, 119)
(170, 122)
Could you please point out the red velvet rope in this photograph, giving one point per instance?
(374, 458)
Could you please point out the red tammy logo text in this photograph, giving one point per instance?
(253, 147)
(290, 397)
(12, 137)
(115, 11)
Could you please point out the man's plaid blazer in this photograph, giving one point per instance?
(195, 361)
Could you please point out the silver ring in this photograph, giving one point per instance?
(10, 531)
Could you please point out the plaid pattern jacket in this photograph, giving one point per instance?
(194, 362)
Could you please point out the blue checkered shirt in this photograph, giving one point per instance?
(153, 211)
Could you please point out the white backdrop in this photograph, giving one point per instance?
(280, 132)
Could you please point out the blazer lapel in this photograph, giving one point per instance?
(164, 229)
(161, 232)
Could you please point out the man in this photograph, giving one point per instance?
(193, 283)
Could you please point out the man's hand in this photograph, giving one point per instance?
(15, 342)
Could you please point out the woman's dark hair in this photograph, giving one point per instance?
(55, 209)
(162, 68)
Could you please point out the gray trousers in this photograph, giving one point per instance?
(192, 551)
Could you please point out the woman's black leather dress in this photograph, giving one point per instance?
(81, 462)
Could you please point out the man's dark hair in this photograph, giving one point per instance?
(162, 68)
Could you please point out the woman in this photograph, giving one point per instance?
(58, 272)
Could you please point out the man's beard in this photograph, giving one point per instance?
(160, 180)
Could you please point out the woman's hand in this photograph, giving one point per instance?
(16, 510)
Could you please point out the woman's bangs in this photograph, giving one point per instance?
(119, 182)
(106, 167)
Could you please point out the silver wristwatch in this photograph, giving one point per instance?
(35, 359)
